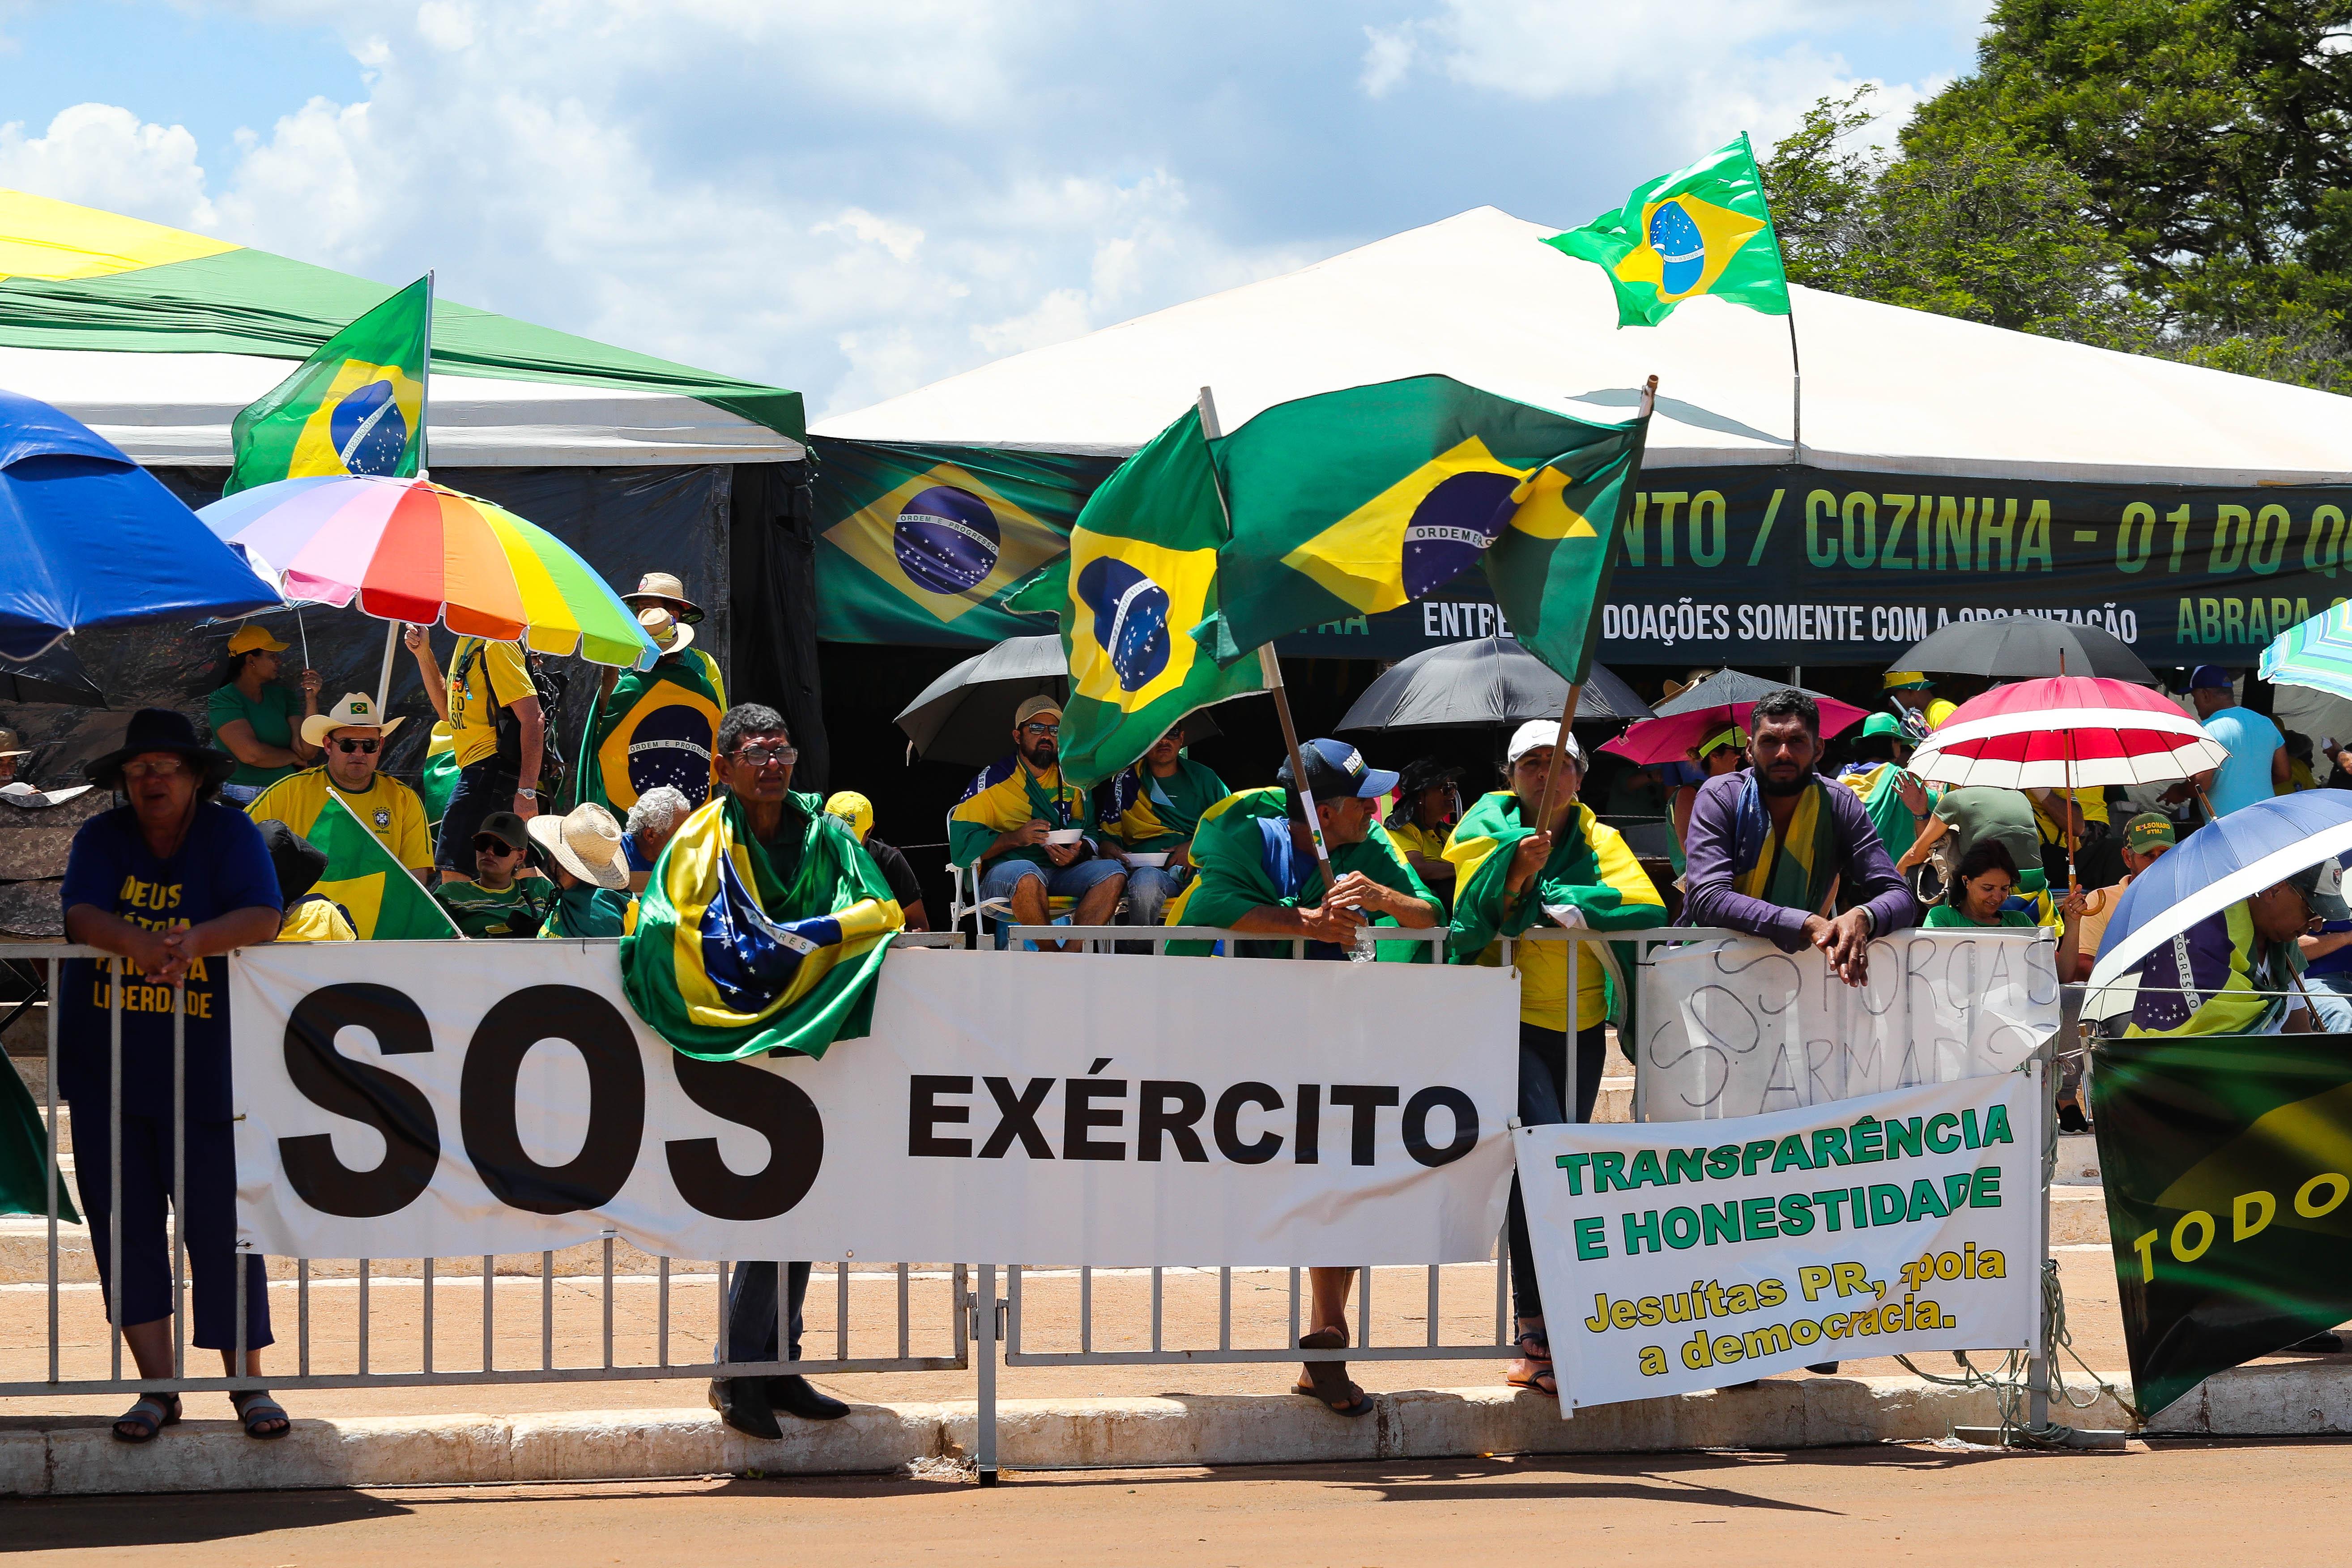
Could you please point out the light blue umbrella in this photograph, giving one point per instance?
(2222, 863)
(2317, 653)
(91, 538)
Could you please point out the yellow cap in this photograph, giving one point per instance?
(248, 638)
(1904, 680)
(853, 808)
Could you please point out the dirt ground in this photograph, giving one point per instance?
(2174, 1502)
(1122, 1321)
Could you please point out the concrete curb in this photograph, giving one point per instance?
(78, 1455)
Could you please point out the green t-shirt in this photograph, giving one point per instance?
(1944, 917)
(516, 910)
(587, 911)
(1981, 812)
(272, 718)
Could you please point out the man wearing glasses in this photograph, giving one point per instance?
(1021, 821)
(505, 896)
(351, 739)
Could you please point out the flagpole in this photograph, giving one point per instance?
(1542, 823)
(1270, 667)
(1796, 393)
(425, 385)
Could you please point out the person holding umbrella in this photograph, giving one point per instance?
(2234, 972)
(253, 717)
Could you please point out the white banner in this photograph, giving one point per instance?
(407, 1100)
(1738, 1027)
(1880, 1226)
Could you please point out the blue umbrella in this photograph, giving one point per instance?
(91, 538)
(2222, 863)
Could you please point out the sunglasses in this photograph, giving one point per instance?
(486, 844)
(1035, 729)
(760, 756)
(348, 747)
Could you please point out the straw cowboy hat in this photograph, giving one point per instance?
(585, 842)
(661, 588)
(352, 711)
(11, 744)
(670, 633)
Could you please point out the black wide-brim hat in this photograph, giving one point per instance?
(161, 729)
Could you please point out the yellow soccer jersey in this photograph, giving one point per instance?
(389, 808)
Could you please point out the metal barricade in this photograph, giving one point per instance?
(428, 1352)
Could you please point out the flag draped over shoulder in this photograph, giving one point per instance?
(383, 898)
(25, 1153)
(1141, 574)
(1701, 230)
(1590, 870)
(658, 727)
(356, 407)
(1247, 859)
(738, 950)
(1353, 502)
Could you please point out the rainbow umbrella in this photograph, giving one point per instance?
(410, 550)
(2317, 653)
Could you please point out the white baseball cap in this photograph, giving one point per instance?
(1538, 732)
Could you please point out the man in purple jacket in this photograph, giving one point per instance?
(1771, 846)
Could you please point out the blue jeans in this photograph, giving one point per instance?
(481, 788)
(2331, 999)
(751, 1310)
(1075, 880)
(1149, 888)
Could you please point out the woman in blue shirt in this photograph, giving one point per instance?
(169, 883)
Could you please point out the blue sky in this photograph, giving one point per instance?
(856, 199)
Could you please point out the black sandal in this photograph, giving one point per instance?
(1535, 1345)
(1327, 1380)
(256, 1410)
(150, 1416)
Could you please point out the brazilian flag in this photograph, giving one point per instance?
(924, 544)
(1353, 502)
(738, 950)
(1701, 230)
(356, 407)
(1141, 572)
(657, 728)
(385, 900)
(25, 1153)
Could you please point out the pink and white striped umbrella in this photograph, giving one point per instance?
(2066, 730)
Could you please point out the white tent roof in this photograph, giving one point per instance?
(176, 408)
(1476, 297)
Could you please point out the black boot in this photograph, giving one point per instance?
(742, 1404)
(795, 1396)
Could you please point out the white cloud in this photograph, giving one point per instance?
(104, 156)
(853, 199)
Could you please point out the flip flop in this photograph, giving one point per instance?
(1327, 1380)
(254, 1408)
(150, 1416)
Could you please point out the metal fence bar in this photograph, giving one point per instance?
(841, 1310)
(179, 1180)
(1086, 1309)
(302, 1314)
(425, 1355)
(546, 1311)
(364, 1314)
(1224, 1309)
(114, 1162)
(903, 1316)
(489, 1279)
(1432, 1303)
(661, 1344)
(1159, 1305)
(608, 1299)
(50, 1096)
(985, 1356)
(1364, 1310)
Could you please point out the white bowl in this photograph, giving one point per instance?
(1142, 859)
(1065, 835)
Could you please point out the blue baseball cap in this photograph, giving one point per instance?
(2210, 675)
(1335, 771)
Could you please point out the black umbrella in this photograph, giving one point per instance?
(55, 676)
(966, 715)
(1490, 683)
(1726, 689)
(2024, 647)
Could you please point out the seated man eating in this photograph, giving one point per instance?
(1022, 824)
